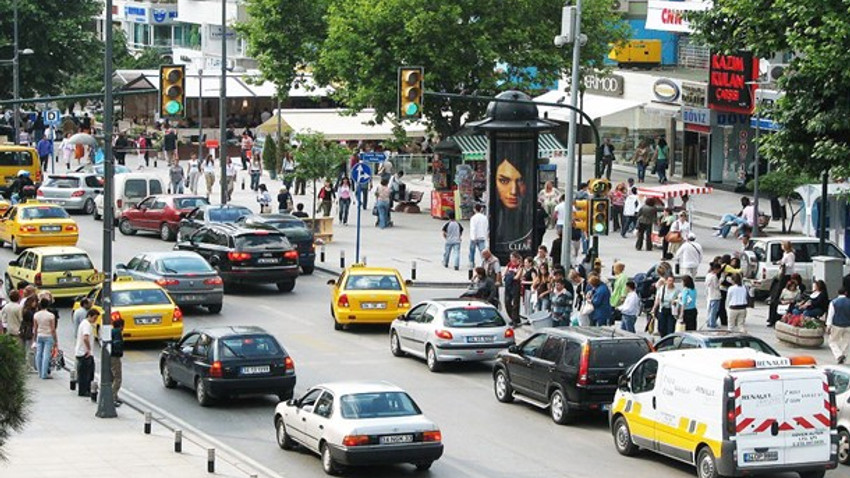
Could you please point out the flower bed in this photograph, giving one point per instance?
(800, 330)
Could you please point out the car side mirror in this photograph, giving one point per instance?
(120, 266)
(403, 317)
(514, 349)
(171, 344)
(623, 383)
(408, 282)
(331, 282)
(13, 263)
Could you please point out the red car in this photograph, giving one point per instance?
(160, 213)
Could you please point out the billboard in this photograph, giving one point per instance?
(513, 193)
(727, 82)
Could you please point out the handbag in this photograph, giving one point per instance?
(374, 210)
(650, 325)
(587, 309)
(673, 237)
(680, 326)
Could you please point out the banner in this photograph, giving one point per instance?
(512, 195)
(670, 16)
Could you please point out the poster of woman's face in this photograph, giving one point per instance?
(512, 201)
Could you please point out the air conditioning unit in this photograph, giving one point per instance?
(775, 71)
(621, 6)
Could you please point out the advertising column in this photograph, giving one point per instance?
(513, 194)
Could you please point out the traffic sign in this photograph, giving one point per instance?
(361, 173)
(373, 156)
(52, 117)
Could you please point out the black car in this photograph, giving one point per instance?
(713, 339)
(206, 215)
(226, 361)
(242, 255)
(567, 370)
(296, 230)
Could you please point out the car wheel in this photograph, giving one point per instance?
(165, 232)
(286, 286)
(844, 447)
(813, 474)
(201, 393)
(96, 214)
(434, 365)
(16, 249)
(307, 270)
(559, 409)
(425, 465)
(214, 308)
(623, 438)
(328, 463)
(502, 387)
(283, 439)
(395, 345)
(706, 465)
(89, 207)
(167, 380)
(125, 227)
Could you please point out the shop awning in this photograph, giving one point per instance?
(596, 106)
(475, 146)
(668, 191)
(338, 124)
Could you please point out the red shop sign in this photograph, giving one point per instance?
(727, 82)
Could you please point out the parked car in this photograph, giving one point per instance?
(186, 276)
(225, 361)
(368, 295)
(130, 189)
(161, 214)
(442, 331)
(353, 424)
(246, 255)
(99, 168)
(567, 370)
(841, 380)
(209, 214)
(299, 234)
(63, 271)
(73, 191)
(713, 339)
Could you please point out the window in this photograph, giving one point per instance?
(617, 354)
(262, 241)
(183, 265)
(198, 215)
(473, 317)
(372, 282)
(308, 400)
(643, 377)
(758, 249)
(324, 406)
(135, 188)
(16, 158)
(428, 316)
(417, 311)
(742, 342)
(94, 182)
(670, 343)
(833, 251)
(378, 405)
(532, 346)
(202, 348)
(189, 203)
(141, 34)
(43, 212)
(144, 265)
(188, 343)
(29, 261)
(66, 262)
(125, 298)
(841, 381)
(62, 182)
(134, 263)
(690, 343)
(552, 349)
(249, 346)
(572, 354)
(162, 35)
(227, 214)
(158, 204)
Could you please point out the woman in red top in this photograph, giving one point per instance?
(618, 200)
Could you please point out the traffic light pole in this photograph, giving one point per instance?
(222, 105)
(566, 235)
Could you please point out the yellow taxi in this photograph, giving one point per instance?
(33, 224)
(148, 311)
(13, 159)
(368, 295)
(64, 271)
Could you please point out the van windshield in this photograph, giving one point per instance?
(617, 354)
(16, 158)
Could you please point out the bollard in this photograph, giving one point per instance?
(178, 441)
(147, 423)
(342, 259)
(243, 184)
(210, 460)
(413, 270)
(94, 387)
(322, 254)
(73, 379)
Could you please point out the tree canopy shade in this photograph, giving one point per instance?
(317, 158)
(815, 111)
(14, 398)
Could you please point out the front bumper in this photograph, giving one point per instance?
(264, 275)
(387, 454)
(469, 352)
(727, 464)
(197, 298)
(277, 385)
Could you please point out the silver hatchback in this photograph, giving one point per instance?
(72, 191)
(453, 330)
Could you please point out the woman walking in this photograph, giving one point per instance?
(209, 174)
(45, 333)
(284, 200)
(661, 160)
(176, 176)
(618, 201)
(663, 307)
(688, 300)
(194, 173)
(256, 170)
(344, 200)
(736, 304)
(327, 195)
(382, 195)
(642, 160)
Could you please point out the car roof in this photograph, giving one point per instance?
(179, 196)
(231, 330)
(460, 302)
(12, 147)
(366, 270)
(792, 239)
(239, 230)
(713, 334)
(57, 250)
(343, 388)
(592, 333)
(222, 206)
(711, 358)
(69, 174)
(30, 203)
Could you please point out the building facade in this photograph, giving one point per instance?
(202, 20)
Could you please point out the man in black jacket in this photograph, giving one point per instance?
(116, 352)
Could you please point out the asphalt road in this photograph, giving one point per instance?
(483, 438)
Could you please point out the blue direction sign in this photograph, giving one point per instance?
(361, 173)
(375, 157)
(765, 124)
(52, 117)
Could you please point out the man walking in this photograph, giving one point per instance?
(689, 256)
(607, 157)
(116, 352)
(452, 231)
(169, 144)
(479, 231)
(838, 325)
(630, 211)
(83, 354)
(646, 217)
(12, 315)
(45, 150)
(713, 294)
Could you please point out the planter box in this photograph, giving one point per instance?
(809, 338)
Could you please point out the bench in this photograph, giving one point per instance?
(411, 205)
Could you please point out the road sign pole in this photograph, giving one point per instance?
(359, 210)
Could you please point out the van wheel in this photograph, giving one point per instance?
(16, 249)
(559, 409)
(125, 227)
(844, 447)
(502, 387)
(165, 232)
(623, 438)
(706, 464)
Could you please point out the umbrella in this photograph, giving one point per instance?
(83, 138)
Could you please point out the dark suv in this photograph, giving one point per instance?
(567, 370)
(246, 255)
(296, 230)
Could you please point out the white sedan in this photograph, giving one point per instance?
(352, 424)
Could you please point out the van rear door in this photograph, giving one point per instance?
(760, 411)
(807, 410)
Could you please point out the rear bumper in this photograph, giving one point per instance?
(166, 332)
(279, 385)
(387, 455)
(266, 274)
(197, 298)
(350, 316)
(594, 399)
(727, 464)
(307, 259)
(65, 291)
(469, 352)
(36, 240)
(68, 203)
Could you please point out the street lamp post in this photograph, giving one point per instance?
(222, 104)
(200, 113)
(16, 75)
(756, 229)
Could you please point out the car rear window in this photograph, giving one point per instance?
(43, 212)
(617, 353)
(183, 265)
(189, 203)
(741, 343)
(372, 282)
(228, 214)
(378, 405)
(294, 230)
(66, 262)
(123, 298)
(136, 188)
(62, 182)
(262, 241)
(15, 158)
(250, 346)
(473, 317)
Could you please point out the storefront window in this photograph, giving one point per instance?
(187, 35)
(141, 34)
(162, 35)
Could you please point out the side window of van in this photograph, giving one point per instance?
(833, 251)
(156, 186)
(643, 377)
(776, 252)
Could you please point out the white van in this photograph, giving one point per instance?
(130, 188)
(729, 412)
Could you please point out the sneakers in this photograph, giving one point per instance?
(841, 359)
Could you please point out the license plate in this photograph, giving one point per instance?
(373, 305)
(51, 228)
(761, 457)
(191, 297)
(255, 370)
(69, 280)
(148, 320)
(268, 260)
(480, 339)
(391, 439)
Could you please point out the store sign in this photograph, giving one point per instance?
(136, 14)
(727, 86)
(666, 90)
(605, 85)
(160, 15)
(215, 33)
(670, 16)
(693, 115)
(694, 94)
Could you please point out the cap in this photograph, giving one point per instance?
(23, 172)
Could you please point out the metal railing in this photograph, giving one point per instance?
(412, 164)
(693, 56)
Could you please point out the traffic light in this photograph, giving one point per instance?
(599, 187)
(581, 214)
(599, 210)
(411, 87)
(172, 91)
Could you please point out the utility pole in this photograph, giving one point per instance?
(105, 403)
(15, 80)
(200, 114)
(222, 104)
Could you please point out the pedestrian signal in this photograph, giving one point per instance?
(581, 215)
(599, 210)
(172, 91)
(599, 187)
(411, 84)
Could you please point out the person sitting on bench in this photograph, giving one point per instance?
(744, 220)
(397, 188)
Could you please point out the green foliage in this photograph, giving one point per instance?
(815, 111)
(316, 158)
(270, 156)
(13, 394)
(399, 139)
(781, 183)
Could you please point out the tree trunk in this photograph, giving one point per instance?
(315, 197)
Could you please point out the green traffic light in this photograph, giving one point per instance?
(599, 227)
(172, 107)
(412, 109)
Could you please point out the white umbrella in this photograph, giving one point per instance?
(83, 138)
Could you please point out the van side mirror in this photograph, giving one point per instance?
(623, 383)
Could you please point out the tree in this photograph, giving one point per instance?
(815, 109)
(13, 394)
(62, 37)
(317, 158)
(783, 184)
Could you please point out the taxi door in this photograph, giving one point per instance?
(641, 403)
(22, 269)
(7, 224)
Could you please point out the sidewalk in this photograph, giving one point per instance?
(62, 428)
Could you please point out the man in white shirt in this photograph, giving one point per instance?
(689, 256)
(230, 176)
(630, 210)
(561, 214)
(630, 308)
(713, 294)
(80, 314)
(83, 354)
(479, 231)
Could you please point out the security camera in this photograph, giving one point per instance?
(560, 41)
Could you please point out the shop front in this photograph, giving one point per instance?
(696, 139)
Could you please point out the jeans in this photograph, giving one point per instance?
(384, 213)
(629, 223)
(43, 351)
(730, 220)
(344, 205)
(364, 197)
(177, 187)
(644, 234)
(641, 172)
(666, 322)
(617, 217)
(543, 304)
(474, 244)
(662, 173)
(255, 179)
(447, 254)
(713, 311)
(627, 322)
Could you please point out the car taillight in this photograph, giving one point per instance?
(166, 282)
(39, 193)
(238, 256)
(290, 255)
(355, 440)
(213, 281)
(38, 279)
(38, 176)
(289, 364)
(29, 229)
(78, 194)
(178, 315)
(583, 365)
(403, 301)
(216, 370)
(342, 302)
(432, 436)
(115, 315)
(443, 334)
(509, 333)
(119, 203)
(71, 228)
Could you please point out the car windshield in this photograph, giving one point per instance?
(262, 241)
(123, 298)
(66, 262)
(227, 214)
(372, 282)
(62, 182)
(740, 343)
(183, 265)
(618, 353)
(43, 212)
(248, 346)
(473, 317)
(378, 405)
(189, 203)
